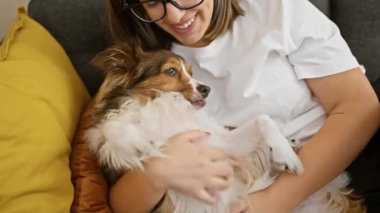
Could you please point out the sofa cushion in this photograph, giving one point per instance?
(42, 99)
(80, 27)
(323, 5)
(359, 22)
(91, 188)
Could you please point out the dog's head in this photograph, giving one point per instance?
(144, 75)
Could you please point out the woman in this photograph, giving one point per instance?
(279, 57)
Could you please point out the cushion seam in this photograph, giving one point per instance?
(9, 38)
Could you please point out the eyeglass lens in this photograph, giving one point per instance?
(154, 10)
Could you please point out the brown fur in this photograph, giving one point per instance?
(134, 74)
(137, 74)
(355, 203)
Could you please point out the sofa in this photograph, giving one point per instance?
(44, 63)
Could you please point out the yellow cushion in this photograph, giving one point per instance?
(41, 99)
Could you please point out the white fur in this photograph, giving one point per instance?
(134, 133)
(316, 203)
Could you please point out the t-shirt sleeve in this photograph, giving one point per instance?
(314, 44)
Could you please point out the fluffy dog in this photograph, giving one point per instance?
(147, 97)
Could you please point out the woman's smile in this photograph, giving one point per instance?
(188, 27)
(187, 24)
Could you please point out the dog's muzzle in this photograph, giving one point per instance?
(203, 90)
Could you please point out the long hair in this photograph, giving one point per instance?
(126, 28)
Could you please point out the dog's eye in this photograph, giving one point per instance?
(171, 72)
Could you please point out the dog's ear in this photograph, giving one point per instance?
(115, 59)
(117, 62)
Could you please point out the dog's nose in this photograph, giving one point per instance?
(204, 90)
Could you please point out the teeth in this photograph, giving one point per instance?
(187, 24)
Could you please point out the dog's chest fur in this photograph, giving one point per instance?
(141, 130)
(164, 116)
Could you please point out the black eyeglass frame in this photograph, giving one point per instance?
(129, 6)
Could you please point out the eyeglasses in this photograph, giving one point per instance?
(155, 10)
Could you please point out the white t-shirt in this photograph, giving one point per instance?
(260, 66)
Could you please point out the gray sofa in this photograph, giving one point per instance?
(81, 28)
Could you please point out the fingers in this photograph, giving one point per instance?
(218, 183)
(193, 135)
(239, 207)
(222, 168)
(216, 155)
(201, 171)
(207, 197)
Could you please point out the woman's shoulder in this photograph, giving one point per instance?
(274, 9)
(260, 13)
(266, 16)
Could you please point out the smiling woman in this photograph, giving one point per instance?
(239, 47)
(155, 37)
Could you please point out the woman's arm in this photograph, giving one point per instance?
(135, 192)
(354, 115)
(188, 167)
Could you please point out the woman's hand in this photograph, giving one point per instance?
(191, 167)
(240, 207)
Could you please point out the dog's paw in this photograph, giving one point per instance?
(285, 159)
(296, 144)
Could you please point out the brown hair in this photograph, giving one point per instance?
(126, 28)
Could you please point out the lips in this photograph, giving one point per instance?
(198, 103)
(185, 27)
(186, 24)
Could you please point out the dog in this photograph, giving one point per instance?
(147, 97)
